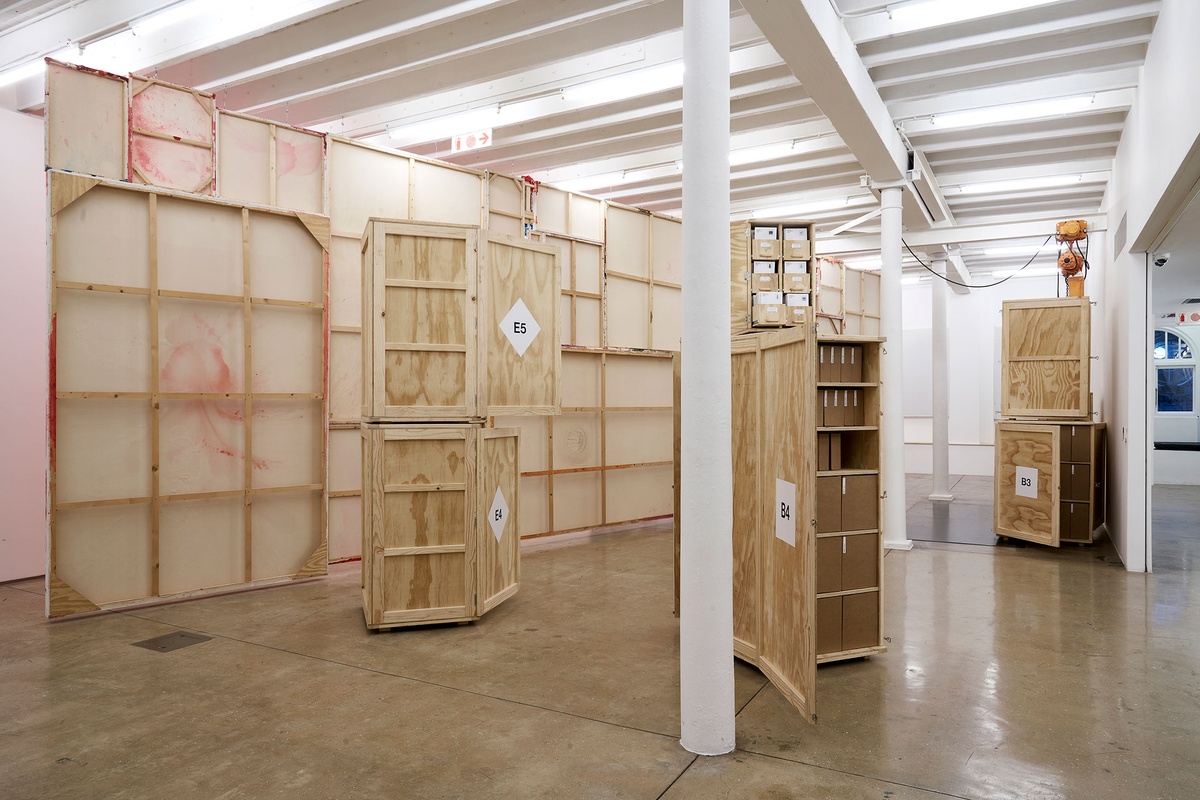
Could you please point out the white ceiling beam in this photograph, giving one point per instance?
(814, 43)
(893, 50)
(959, 234)
(956, 269)
(871, 27)
(438, 71)
(1091, 170)
(1053, 68)
(1053, 134)
(367, 22)
(70, 24)
(1103, 80)
(1102, 102)
(1059, 45)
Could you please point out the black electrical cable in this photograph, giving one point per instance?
(981, 285)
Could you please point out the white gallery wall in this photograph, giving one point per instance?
(973, 351)
(1157, 165)
(23, 349)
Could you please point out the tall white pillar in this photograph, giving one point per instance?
(941, 389)
(706, 489)
(895, 530)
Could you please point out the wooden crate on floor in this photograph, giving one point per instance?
(457, 325)
(1046, 358)
(1050, 481)
(440, 522)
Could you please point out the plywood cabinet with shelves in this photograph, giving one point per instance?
(849, 584)
(1050, 483)
(771, 269)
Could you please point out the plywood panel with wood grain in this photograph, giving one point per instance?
(1027, 491)
(520, 332)
(1045, 370)
(498, 507)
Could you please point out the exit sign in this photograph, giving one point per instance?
(471, 141)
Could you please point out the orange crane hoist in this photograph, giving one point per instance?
(1070, 261)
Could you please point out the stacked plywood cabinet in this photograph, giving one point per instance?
(849, 541)
(458, 326)
(771, 268)
(1049, 452)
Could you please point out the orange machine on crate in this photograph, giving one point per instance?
(1071, 261)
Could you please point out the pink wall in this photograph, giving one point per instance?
(22, 348)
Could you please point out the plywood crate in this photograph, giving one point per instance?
(1046, 358)
(440, 522)
(1050, 481)
(457, 325)
(774, 471)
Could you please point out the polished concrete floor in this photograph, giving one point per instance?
(1023, 674)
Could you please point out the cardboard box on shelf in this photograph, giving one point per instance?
(767, 299)
(835, 450)
(860, 502)
(761, 282)
(850, 363)
(825, 366)
(769, 314)
(796, 283)
(823, 452)
(829, 504)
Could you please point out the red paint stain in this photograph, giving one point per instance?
(303, 158)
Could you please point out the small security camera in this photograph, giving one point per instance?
(1161, 259)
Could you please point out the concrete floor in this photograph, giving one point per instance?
(1024, 674)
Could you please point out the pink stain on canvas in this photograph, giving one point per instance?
(301, 155)
(195, 361)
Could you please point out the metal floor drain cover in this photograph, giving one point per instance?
(172, 641)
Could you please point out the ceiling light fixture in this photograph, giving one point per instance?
(1013, 112)
(626, 85)
(813, 207)
(764, 152)
(1020, 184)
(36, 68)
(929, 13)
(165, 18)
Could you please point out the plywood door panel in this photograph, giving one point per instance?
(498, 510)
(419, 306)
(171, 134)
(1046, 356)
(86, 121)
(1029, 447)
(747, 544)
(419, 500)
(522, 298)
(787, 652)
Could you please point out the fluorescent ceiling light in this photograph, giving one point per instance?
(1032, 272)
(1013, 112)
(626, 85)
(910, 280)
(765, 152)
(814, 207)
(36, 68)
(166, 17)
(1020, 184)
(928, 13)
(1020, 250)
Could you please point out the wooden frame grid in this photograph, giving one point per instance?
(603, 467)
(159, 134)
(66, 189)
(651, 280)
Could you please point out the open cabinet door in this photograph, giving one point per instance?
(498, 537)
(1027, 483)
(787, 648)
(774, 536)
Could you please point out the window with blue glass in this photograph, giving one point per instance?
(1176, 367)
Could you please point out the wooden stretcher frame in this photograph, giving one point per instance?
(204, 141)
(599, 416)
(66, 189)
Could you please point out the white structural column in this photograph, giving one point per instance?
(706, 488)
(941, 388)
(895, 530)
